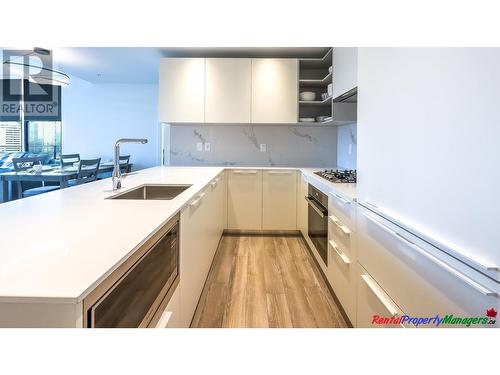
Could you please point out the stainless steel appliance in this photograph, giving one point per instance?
(336, 175)
(137, 292)
(318, 221)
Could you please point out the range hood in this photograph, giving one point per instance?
(345, 107)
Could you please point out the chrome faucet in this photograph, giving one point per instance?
(117, 176)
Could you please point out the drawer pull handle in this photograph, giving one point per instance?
(279, 172)
(341, 255)
(214, 183)
(459, 275)
(341, 198)
(474, 262)
(381, 296)
(197, 200)
(341, 226)
(245, 172)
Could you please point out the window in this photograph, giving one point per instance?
(44, 137)
(10, 136)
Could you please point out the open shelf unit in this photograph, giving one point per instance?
(315, 75)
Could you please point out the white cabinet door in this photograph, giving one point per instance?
(274, 90)
(302, 204)
(228, 90)
(373, 302)
(199, 236)
(279, 200)
(244, 199)
(345, 70)
(182, 90)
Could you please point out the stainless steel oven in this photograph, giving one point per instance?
(317, 218)
(133, 295)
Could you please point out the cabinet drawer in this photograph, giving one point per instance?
(341, 234)
(373, 302)
(342, 277)
(421, 279)
(343, 208)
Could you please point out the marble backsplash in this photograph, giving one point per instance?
(347, 146)
(240, 145)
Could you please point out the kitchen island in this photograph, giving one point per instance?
(58, 247)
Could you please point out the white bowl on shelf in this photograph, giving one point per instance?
(307, 119)
(307, 96)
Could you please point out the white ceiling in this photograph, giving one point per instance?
(140, 64)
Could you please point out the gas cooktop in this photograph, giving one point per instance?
(335, 175)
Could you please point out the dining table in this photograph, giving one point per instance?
(48, 174)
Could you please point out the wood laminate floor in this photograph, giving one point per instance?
(265, 281)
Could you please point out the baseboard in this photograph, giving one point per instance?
(245, 232)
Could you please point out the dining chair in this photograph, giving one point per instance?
(124, 163)
(23, 165)
(69, 159)
(87, 172)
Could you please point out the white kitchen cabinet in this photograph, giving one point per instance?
(244, 199)
(274, 90)
(279, 198)
(302, 204)
(345, 70)
(199, 236)
(420, 278)
(227, 90)
(182, 90)
(444, 159)
(372, 300)
(341, 275)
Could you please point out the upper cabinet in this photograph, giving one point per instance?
(227, 90)
(274, 90)
(182, 90)
(345, 70)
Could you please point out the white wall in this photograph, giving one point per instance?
(95, 115)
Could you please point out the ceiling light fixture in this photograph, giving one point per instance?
(43, 74)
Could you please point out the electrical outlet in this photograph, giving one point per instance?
(207, 146)
(199, 146)
(263, 147)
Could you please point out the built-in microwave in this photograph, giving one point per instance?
(134, 294)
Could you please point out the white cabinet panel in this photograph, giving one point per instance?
(443, 155)
(342, 278)
(279, 196)
(244, 199)
(372, 301)
(199, 237)
(302, 204)
(421, 279)
(227, 90)
(345, 70)
(274, 90)
(182, 90)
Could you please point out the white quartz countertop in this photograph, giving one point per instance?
(60, 245)
(57, 247)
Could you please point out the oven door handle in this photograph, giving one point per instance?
(316, 207)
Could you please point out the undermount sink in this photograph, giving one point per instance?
(152, 192)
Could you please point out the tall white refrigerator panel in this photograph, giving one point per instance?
(429, 145)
